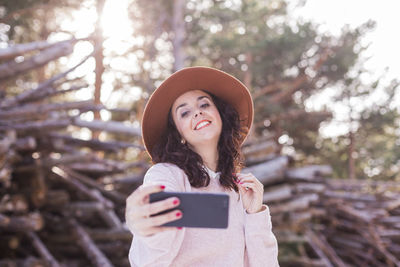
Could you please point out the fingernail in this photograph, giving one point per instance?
(176, 201)
(162, 186)
(179, 228)
(178, 214)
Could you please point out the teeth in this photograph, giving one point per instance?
(202, 124)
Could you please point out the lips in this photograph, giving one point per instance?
(201, 124)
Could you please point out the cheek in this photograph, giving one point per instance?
(183, 126)
(217, 115)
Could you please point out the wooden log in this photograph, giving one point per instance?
(319, 241)
(5, 175)
(24, 223)
(87, 244)
(14, 203)
(4, 220)
(265, 147)
(114, 195)
(28, 262)
(301, 261)
(115, 250)
(56, 199)
(108, 126)
(376, 242)
(91, 193)
(391, 205)
(349, 196)
(56, 159)
(93, 168)
(114, 146)
(29, 94)
(124, 179)
(13, 68)
(108, 235)
(15, 50)
(38, 185)
(38, 126)
(299, 218)
(319, 251)
(254, 160)
(299, 203)
(309, 187)
(358, 215)
(109, 216)
(27, 143)
(269, 172)
(309, 173)
(33, 110)
(277, 193)
(391, 220)
(42, 250)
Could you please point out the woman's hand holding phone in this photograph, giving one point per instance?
(139, 210)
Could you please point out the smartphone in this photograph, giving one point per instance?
(203, 210)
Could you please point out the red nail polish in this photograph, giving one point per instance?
(178, 214)
(179, 228)
(162, 186)
(175, 202)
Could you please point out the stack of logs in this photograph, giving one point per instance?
(327, 222)
(62, 198)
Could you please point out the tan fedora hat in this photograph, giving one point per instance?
(219, 83)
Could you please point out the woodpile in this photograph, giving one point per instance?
(62, 198)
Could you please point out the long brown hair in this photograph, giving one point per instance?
(230, 160)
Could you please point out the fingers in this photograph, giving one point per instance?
(248, 181)
(150, 225)
(159, 206)
(140, 195)
(165, 218)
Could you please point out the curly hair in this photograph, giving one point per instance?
(230, 159)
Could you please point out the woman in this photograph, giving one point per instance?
(193, 126)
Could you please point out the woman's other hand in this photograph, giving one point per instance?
(138, 211)
(251, 191)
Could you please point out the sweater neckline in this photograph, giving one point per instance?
(212, 173)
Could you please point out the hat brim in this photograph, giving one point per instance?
(219, 83)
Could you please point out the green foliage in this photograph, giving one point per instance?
(377, 139)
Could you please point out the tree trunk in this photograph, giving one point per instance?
(98, 56)
(178, 27)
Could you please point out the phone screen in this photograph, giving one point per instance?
(204, 210)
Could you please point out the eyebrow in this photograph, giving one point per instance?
(184, 104)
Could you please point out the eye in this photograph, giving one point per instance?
(184, 114)
(204, 105)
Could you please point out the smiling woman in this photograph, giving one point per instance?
(193, 127)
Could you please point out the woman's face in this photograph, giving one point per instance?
(197, 118)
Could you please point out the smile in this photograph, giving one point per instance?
(202, 124)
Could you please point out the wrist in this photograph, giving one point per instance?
(251, 211)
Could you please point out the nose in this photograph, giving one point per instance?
(197, 113)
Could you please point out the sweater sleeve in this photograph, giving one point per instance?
(161, 248)
(261, 244)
